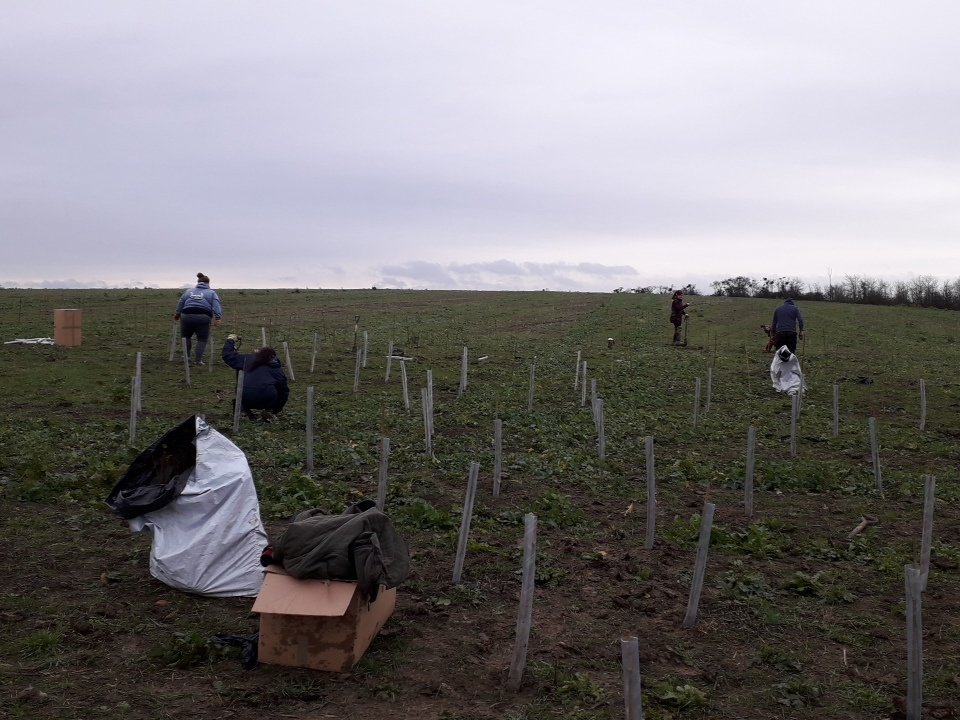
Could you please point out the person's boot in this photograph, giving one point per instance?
(676, 336)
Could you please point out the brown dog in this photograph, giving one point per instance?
(771, 337)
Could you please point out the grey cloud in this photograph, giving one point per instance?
(504, 274)
(423, 274)
(433, 142)
(74, 284)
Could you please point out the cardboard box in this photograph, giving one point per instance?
(319, 624)
(66, 327)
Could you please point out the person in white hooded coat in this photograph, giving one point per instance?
(785, 372)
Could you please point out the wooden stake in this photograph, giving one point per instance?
(173, 341)
(309, 429)
(430, 400)
(366, 346)
(706, 524)
(923, 404)
(836, 410)
(263, 337)
(403, 382)
(800, 393)
(356, 370)
(794, 403)
(926, 538)
(382, 480)
(386, 377)
(211, 344)
(186, 360)
(533, 374)
(425, 401)
(133, 409)
(748, 477)
(601, 439)
(630, 659)
(286, 354)
(696, 401)
(706, 404)
(313, 353)
(651, 494)
(525, 614)
(875, 453)
(497, 455)
(139, 377)
(463, 373)
(583, 387)
(238, 402)
(913, 584)
(465, 519)
(576, 375)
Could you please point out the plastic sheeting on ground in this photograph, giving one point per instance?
(786, 375)
(208, 538)
(30, 341)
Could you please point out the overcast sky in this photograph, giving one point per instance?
(483, 145)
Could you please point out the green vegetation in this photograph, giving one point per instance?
(797, 618)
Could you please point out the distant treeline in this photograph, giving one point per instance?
(922, 291)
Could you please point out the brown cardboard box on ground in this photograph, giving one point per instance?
(319, 624)
(67, 326)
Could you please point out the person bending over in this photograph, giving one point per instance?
(264, 382)
(198, 307)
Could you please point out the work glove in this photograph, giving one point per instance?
(235, 338)
(216, 322)
(177, 316)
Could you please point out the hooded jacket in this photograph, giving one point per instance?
(264, 387)
(787, 317)
(359, 544)
(200, 300)
(677, 307)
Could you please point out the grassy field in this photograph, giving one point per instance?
(796, 620)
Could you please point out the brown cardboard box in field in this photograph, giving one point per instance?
(66, 326)
(319, 624)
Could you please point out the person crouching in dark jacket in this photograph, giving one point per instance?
(264, 382)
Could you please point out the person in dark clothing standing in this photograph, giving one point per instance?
(786, 320)
(677, 314)
(264, 382)
(198, 307)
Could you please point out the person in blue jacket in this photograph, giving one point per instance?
(264, 382)
(786, 320)
(198, 308)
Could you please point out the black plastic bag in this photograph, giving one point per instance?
(248, 645)
(158, 474)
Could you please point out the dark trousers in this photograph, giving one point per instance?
(196, 324)
(787, 338)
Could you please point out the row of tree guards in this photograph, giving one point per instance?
(915, 575)
(631, 664)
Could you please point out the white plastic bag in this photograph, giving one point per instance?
(208, 539)
(785, 374)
